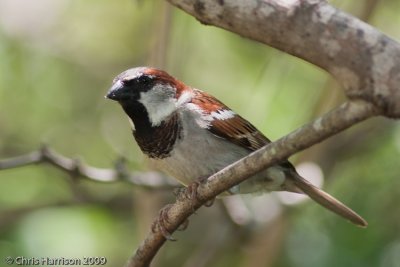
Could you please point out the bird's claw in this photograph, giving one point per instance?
(190, 192)
(162, 219)
(184, 225)
(160, 222)
(209, 203)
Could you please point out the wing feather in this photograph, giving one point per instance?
(224, 123)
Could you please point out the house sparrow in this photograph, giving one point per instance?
(190, 134)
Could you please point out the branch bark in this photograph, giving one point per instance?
(361, 58)
(333, 122)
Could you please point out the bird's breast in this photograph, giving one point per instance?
(158, 141)
(198, 154)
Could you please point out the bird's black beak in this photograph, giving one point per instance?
(117, 92)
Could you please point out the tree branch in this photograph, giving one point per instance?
(77, 168)
(333, 122)
(361, 58)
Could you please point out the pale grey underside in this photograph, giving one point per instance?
(199, 153)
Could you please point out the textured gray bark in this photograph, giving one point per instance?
(361, 58)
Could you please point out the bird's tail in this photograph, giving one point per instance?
(325, 200)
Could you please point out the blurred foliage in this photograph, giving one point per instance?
(58, 59)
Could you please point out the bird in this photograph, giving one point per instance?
(189, 134)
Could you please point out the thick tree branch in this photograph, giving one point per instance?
(337, 120)
(361, 58)
(76, 168)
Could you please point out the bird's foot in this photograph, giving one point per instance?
(180, 193)
(209, 203)
(183, 226)
(190, 192)
(160, 223)
(162, 220)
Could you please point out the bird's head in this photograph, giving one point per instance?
(149, 88)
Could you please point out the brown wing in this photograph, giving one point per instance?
(239, 131)
(233, 128)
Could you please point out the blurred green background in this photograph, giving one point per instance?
(57, 60)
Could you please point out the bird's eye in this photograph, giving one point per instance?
(138, 81)
(128, 82)
(144, 79)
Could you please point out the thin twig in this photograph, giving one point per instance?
(77, 168)
(331, 123)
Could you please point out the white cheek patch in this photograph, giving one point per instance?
(159, 102)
